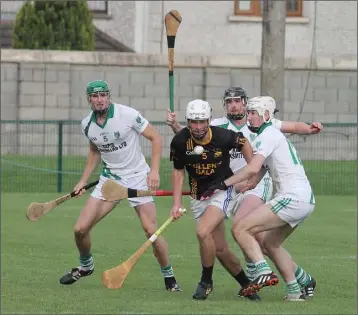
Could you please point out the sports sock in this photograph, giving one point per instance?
(167, 271)
(302, 277)
(250, 270)
(293, 288)
(242, 278)
(207, 274)
(86, 262)
(262, 267)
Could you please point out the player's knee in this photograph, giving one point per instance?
(80, 230)
(149, 230)
(237, 228)
(202, 234)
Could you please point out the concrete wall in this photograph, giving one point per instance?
(51, 85)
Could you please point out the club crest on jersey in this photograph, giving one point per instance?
(217, 154)
(116, 134)
(252, 136)
(258, 144)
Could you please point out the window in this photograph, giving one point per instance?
(98, 6)
(254, 7)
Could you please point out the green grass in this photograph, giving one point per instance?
(30, 174)
(36, 254)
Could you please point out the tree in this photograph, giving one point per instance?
(54, 25)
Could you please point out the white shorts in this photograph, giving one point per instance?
(263, 190)
(223, 199)
(137, 182)
(291, 211)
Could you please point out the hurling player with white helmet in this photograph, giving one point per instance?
(234, 103)
(291, 204)
(204, 152)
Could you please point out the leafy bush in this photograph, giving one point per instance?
(54, 25)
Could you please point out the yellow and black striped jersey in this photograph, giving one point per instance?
(212, 164)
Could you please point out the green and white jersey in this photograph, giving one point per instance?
(237, 160)
(118, 141)
(283, 163)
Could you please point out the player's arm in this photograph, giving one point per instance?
(251, 182)
(155, 138)
(246, 151)
(142, 126)
(300, 128)
(93, 160)
(178, 174)
(173, 122)
(248, 171)
(263, 147)
(262, 150)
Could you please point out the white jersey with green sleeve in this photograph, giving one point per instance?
(118, 141)
(283, 163)
(237, 160)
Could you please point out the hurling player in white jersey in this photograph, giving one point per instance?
(292, 203)
(114, 131)
(234, 102)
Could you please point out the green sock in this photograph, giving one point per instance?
(293, 288)
(262, 267)
(302, 277)
(250, 270)
(86, 262)
(167, 272)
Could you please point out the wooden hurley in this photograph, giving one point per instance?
(38, 209)
(114, 278)
(113, 191)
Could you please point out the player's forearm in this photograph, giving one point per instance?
(92, 162)
(301, 128)
(247, 152)
(157, 144)
(177, 186)
(243, 174)
(176, 127)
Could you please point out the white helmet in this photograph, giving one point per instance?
(262, 104)
(198, 110)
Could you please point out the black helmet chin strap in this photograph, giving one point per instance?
(235, 116)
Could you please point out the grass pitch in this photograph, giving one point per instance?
(36, 254)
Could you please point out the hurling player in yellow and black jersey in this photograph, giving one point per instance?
(204, 152)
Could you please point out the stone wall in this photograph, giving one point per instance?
(48, 85)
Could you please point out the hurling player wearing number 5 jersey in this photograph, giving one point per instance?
(292, 203)
(204, 152)
(114, 131)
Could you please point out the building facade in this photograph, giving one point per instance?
(321, 28)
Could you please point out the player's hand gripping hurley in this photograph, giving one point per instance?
(112, 191)
(172, 22)
(114, 278)
(37, 209)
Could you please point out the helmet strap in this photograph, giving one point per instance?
(235, 116)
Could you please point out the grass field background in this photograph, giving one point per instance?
(36, 254)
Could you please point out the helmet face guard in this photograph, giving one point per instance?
(99, 88)
(232, 93)
(198, 111)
